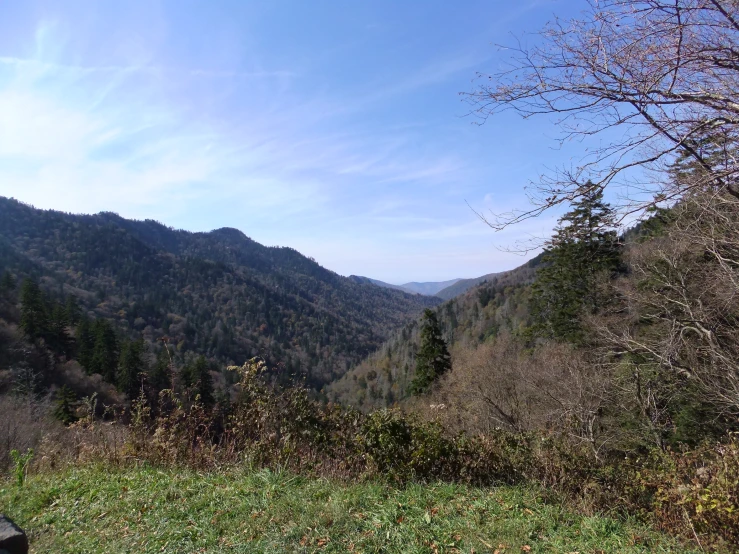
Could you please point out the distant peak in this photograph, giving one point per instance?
(230, 232)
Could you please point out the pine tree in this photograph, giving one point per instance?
(58, 335)
(105, 352)
(7, 283)
(34, 312)
(203, 381)
(432, 359)
(159, 377)
(85, 339)
(585, 245)
(72, 310)
(66, 403)
(130, 368)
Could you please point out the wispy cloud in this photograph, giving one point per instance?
(44, 66)
(289, 155)
(131, 150)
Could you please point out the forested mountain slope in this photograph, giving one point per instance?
(219, 294)
(368, 280)
(431, 288)
(481, 312)
(460, 286)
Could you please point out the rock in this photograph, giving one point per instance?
(12, 538)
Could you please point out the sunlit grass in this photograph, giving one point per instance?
(102, 510)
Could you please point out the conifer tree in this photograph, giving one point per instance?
(58, 335)
(34, 312)
(65, 408)
(187, 375)
(159, 377)
(105, 352)
(585, 245)
(7, 282)
(130, 368)
(72, 310)
(203, 381)
(432, 359)
(85, 339)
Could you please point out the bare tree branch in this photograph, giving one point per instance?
(663, 72)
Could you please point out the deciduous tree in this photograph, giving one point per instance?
(651, 80)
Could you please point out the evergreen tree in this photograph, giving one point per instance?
(196, 377)
(159, 377)
(7, 282)
(58, 335)
(85, 339)
(105, 352)
(187, 375)
(34, 311)
(432, 359)
(65, 405)
(72, 310)
(204, 385)
(130, 368)
(585, 245)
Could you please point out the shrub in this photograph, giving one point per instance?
(692, 493)
(20, 462)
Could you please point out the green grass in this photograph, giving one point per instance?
(103, 510)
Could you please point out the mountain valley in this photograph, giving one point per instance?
(216, 294)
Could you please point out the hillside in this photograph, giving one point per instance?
(446, 290)
(430, 288)
(219, 294)
(460, 286)
(369, 281)
(483, 311)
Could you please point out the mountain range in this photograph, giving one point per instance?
(429, 289)
(442, 289)
(219, 294)
(477, 310)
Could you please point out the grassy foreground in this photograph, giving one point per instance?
(102, 510)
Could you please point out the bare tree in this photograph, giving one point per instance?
(500, 385)
(662, 73)
(679, 314)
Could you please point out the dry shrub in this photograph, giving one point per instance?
(693, 494)
(501, 385)
(26, 424)
(72, 374)
(267, 426)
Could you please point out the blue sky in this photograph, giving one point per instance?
(333, 127)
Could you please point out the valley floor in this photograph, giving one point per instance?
(103, 510)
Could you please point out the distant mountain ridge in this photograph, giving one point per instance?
(220, 294)
(463, 285)
(488, 305)
(428, 289)
(445, 290)
(376, 282)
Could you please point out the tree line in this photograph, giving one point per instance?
(67, 333)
